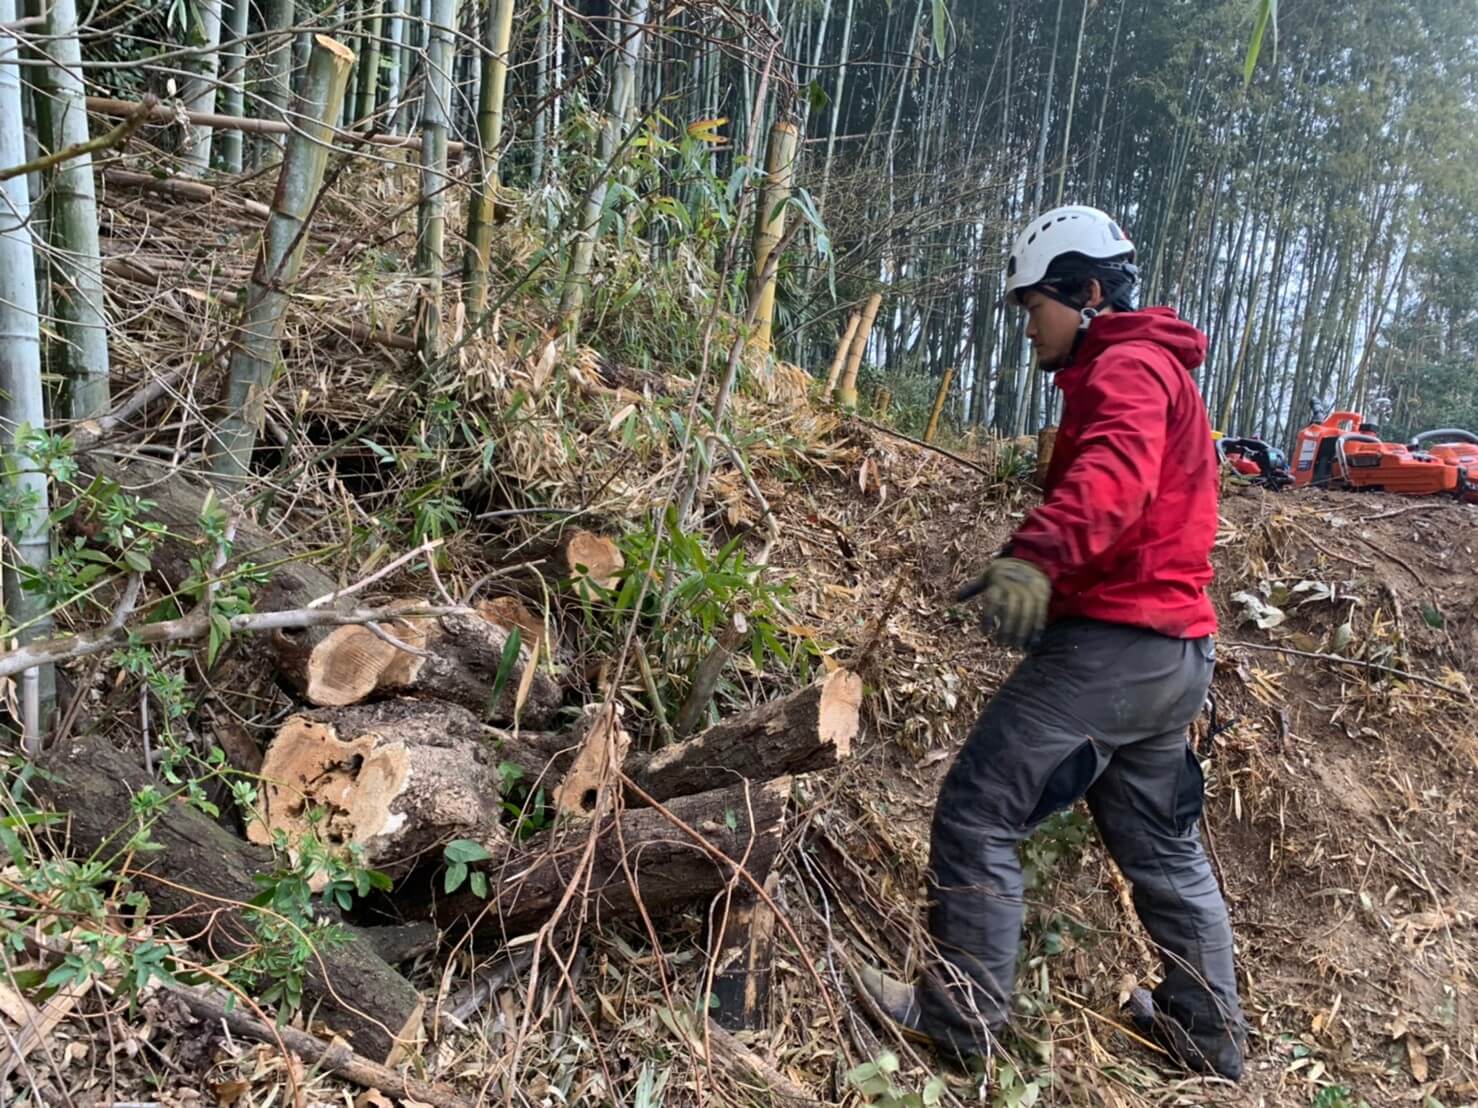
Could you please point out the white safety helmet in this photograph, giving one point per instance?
(1066, 243)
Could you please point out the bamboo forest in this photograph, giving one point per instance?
(624, 552)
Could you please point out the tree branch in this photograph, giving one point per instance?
(116, 137)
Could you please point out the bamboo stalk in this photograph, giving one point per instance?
(485, 182)
(623, 88)
(254, 356)
(369, 71)
(396, 29)
(840, 358)
(277, 85)
(769, 227)
(100, 105)
(26, 522)
(939, 398)
(80, 353)
(847, 394)
(200, 92)
(431, 215)
(229, 144)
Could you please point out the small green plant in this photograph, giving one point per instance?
(876, 1082)
(1060, 836)
(1337, 1096)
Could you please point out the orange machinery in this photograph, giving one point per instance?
(1342, 451)
(1462, 453)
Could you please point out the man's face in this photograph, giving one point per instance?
(1051, 326)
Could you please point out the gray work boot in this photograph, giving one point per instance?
(893, 1004)
(1218, 1052)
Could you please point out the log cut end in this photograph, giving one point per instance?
(398, 779)
(592, 557)
(336, 48)
(838, 716)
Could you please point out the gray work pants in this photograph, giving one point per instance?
(1101, 710)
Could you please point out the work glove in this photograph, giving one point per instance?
(1017, 594)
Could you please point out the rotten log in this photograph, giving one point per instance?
(204, 876)
(641, 862)
(743, 946)
(399, 778)
(597, 763)
(808, 730)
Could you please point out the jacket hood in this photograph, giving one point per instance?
(1161, 326)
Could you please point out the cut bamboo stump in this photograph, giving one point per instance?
(844, 347)
(939, 398)
(1046, 440)
(847, 393)
(202, 877)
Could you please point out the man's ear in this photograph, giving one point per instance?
(1094, 294)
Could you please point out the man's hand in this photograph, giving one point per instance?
(1017, 594)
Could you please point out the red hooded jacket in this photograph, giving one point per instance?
(1126, 529)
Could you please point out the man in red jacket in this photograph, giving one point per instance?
(1105, 585)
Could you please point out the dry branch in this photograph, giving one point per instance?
(334, 1057)
(162, 113)
(116, 137)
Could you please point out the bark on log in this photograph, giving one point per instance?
(204, 874)
(342, 665)
(596, 765)
(458, 660)
(808, 730)
(639, 847)
(399, 778)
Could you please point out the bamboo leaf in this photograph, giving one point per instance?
(941, 27)
(505, 667)
(1267, 14)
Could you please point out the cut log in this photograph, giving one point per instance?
(586, 555)
(641, 862)
(400, 778)
(808, 730)
(200, 877)
(344, 665)
(594, 772)
(457, 658)
(402, 942)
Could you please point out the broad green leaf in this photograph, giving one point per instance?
(941, 27)
(505, 667)
(465, 850)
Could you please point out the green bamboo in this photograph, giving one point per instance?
(485, 183)
(80, 351)
(200, 91)
(277, 65)
(369, 69)
(26, 519)
(255, 355)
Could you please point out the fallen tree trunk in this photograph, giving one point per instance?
(201, 881)
(808, 730)
(402, 777)
(459, 655)
(641, 862)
